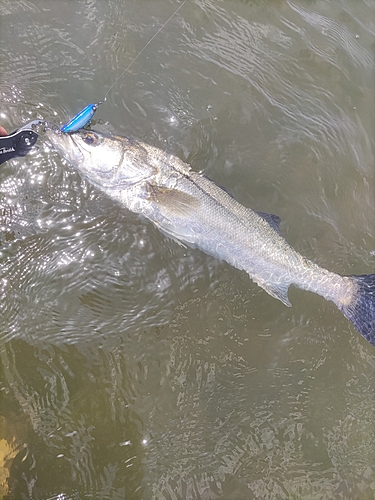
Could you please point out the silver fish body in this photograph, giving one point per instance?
(192, 209)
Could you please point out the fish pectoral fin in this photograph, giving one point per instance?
(277, 290)
(174, 201)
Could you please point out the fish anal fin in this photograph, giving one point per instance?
(173, 200)
(273, 220)
(277, 290)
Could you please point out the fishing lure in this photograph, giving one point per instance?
(81, 119)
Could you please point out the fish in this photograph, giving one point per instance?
(193, 210)
(81, 119)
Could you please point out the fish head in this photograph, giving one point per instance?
(107, 161)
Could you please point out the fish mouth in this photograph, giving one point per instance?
(64, 143)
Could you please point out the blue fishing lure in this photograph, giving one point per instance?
(81, 119)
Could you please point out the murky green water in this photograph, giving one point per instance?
(132, 367)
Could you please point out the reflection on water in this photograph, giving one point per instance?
(132, 367)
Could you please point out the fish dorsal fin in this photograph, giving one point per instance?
(173, 201)
(277, 290)
(273, 220)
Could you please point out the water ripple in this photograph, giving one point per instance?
(336, 35)
(131, 366)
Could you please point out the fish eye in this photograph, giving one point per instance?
(90, 138)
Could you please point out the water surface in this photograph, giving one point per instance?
(132, 367)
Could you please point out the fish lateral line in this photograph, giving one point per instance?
(81, 119)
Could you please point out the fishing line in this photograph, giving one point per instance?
(144, 48)
(86, 114)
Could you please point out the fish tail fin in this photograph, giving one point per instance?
(361, 309)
